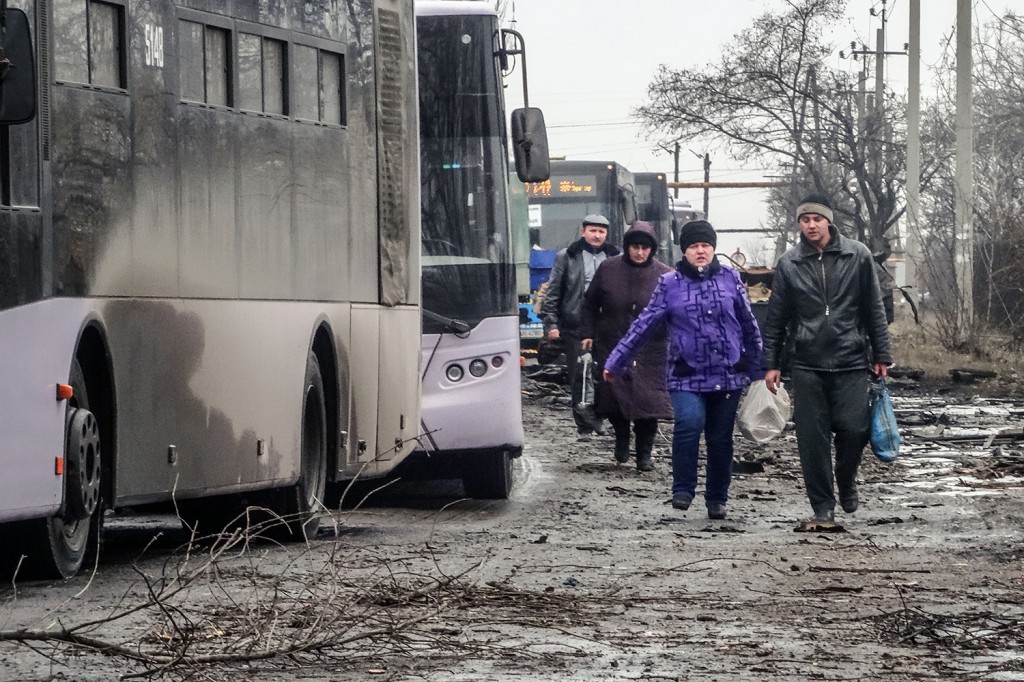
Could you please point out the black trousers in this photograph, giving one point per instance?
(830, 408)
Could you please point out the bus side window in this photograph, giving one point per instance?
(204, 54)
(93, 35)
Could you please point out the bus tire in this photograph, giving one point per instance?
(304, 502)
(56, 547)
(487, 475)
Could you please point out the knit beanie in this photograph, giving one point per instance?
(815, 203)
(697, 231)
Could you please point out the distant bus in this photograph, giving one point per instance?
(209, 261)
(557, 207)
(472, 409)
(653, 204)
(683, 212)
(575, 189)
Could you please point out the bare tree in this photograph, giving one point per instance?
(772, 98)
(998, 193)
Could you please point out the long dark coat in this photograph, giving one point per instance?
(619, 292)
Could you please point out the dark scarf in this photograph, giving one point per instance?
(707, 272)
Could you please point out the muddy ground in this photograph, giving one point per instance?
(586, 573)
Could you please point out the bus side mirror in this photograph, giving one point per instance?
(628, 200)
(17, 70)
(530, 145)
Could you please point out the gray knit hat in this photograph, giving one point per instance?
(815, 203)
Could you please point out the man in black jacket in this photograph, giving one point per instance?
(563, 306)
(825, 293)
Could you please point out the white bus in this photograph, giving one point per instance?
(472, 411)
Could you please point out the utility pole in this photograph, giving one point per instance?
(861, 78)
(675, 193)
(913, 243)
(706, 159)
(875, 101)
(880, 66)
(813, 76)
(963, 227)
(875, 107)
(707, 181)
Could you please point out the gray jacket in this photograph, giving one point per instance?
(830, 303)
(563, 301)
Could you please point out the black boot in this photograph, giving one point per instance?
(621, 429)
(646, 430)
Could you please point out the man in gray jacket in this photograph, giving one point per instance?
(563, 306)
(825, 293)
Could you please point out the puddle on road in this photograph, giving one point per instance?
(967, 449)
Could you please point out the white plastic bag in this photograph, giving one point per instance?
(586, 362)
(762, 415)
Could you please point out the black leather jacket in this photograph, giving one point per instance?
(831, 304)
(563, 302)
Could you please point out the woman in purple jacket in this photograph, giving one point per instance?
(714, 352)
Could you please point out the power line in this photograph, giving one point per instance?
(1013, 27)
(593, 125)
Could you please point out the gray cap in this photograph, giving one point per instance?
(596, 219)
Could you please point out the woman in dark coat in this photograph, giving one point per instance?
(621, 288)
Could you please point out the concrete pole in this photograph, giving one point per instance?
(880, 68)
(913, 243)
(707, 179)
(675, 191)
(963, 200)
(862, 104)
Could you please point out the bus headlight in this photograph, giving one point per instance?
(454, 373)
(478, 368)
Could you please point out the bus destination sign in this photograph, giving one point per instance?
(565, 186)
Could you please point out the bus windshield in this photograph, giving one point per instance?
(562, 221)
(467, 252)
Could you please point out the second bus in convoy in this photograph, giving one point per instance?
(209, 262)
(557, 207)
(471, 409)
(653, 204)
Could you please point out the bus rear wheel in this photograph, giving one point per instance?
(304, 502)
(487, 475)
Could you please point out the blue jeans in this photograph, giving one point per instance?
(714, 415)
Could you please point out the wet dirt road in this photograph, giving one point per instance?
(586, 573)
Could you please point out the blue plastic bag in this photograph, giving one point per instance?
(885, 434)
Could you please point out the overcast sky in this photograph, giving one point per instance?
(590, 63)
